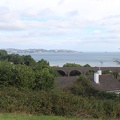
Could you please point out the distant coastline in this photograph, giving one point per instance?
(37, 51)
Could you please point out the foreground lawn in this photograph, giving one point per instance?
(25, 117)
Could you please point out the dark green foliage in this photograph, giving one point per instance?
(65, 103)
(82, 87)
(25, 72)
(100, 104)
(16, 75)
(24, 101)
(22, 76)
(87, 65)
(75, 65)
(90, 72)
(15, 58)
(28, 60)
(53, 72)
(56, 102)
(3, 55)
(71, 65)
(5, 73)
(107, 72)
(43, 63)
(44, 79)
(116, 74)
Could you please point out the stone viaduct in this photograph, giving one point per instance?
(67, 71)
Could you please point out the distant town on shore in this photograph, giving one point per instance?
(17, 51)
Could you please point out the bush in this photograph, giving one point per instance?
(56, 102)
(18, 75)
(44, 80)
(71, 65)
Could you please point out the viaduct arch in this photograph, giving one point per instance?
(72, 71)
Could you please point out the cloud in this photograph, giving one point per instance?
(41, 14)
(3, 10)
(11, 26)
(73, 13)
(68, 22)
(61, 2)
(114, 29)
(110, 20)
(5, 14)
(97, 31)
(104, 39)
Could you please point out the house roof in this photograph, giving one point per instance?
(63, 82)
(106, 83)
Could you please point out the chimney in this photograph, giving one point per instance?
(96, 76)
(99, 72)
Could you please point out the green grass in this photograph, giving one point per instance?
(29, 117)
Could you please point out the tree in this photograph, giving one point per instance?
(28, 60)
(90, 72)
(16, 75)
(71, 65)
(16, 59)
(5, 73)
(23, 76)
(44, 79)
(3, 54)
(43, 62)
(87, 65)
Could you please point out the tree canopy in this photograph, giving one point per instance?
(24, 72)
(75, 65)
(71, 65)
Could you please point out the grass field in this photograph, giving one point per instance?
(25, 117)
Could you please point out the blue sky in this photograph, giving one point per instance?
(82, 25)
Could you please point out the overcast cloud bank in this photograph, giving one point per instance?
(83, 25)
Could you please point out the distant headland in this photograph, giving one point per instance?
(31, 51)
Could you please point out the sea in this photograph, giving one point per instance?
(94, 59)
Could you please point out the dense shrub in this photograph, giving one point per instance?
(86, 65)
(24, 76)
(83, 87)
(71, 65)
(44, 80)
(56, 102)
(5, 73)
(75, 65)
(24, 101)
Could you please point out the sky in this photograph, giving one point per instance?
(81, 25)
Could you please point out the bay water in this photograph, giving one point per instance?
(99, 59)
